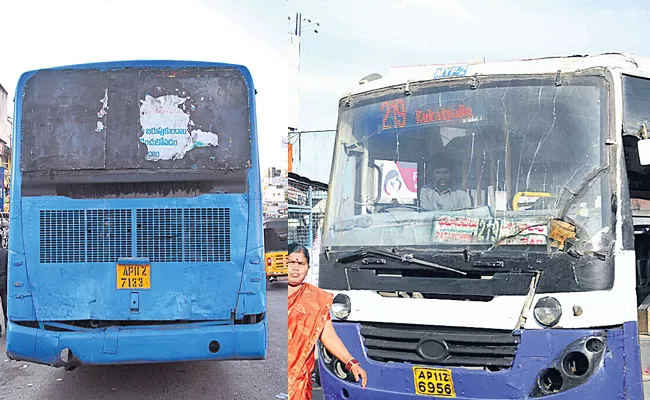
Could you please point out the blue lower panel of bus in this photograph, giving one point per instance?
(138, 345)
(614, 374)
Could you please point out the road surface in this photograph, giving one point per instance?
(192, 380)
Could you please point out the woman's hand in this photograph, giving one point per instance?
(359, 373)
(335, 346)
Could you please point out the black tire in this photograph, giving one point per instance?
(317, 374)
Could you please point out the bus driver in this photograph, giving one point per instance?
(441, 196)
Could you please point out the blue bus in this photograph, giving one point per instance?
(136, 219)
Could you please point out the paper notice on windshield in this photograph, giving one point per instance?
(456, 229)
(523, 232)
(479, 230)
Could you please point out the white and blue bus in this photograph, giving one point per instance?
(529, 286)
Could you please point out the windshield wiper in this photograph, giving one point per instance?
(405, 258)
(574, 250)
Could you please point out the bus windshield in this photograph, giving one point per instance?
(487, 161)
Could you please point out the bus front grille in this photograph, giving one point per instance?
(443, 346)
(161, 235)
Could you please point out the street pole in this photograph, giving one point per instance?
(297, 31)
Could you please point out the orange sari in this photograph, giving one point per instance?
(309, 310)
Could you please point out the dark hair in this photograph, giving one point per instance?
(441, 160)
(298, 248)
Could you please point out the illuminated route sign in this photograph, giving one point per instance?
(394, 114)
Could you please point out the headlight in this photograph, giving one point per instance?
(341, 306)
(547, 311)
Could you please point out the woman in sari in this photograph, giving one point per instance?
(309, 321)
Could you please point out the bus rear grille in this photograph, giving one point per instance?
(162, 235)
(441, 346)
(63, 236)
(109, 235)
(192, 234)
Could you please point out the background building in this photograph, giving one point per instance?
(274, 193)
(6, 124)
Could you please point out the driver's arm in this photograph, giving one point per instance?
(426, 199)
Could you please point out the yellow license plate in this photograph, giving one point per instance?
(134, 276)
(433, 382)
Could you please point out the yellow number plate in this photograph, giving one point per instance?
(433, 382)
(134, 276)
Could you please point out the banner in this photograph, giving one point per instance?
(399, 182)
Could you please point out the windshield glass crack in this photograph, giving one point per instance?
(451, 166)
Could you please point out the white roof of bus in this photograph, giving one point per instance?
(401, 75)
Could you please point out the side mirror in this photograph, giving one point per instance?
(353, 150)
(643, 147)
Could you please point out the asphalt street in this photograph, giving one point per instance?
(317, 393)
(190, 380)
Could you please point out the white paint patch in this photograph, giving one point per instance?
(200, 138)
(104, 102)
(165, 129)
(100, 126)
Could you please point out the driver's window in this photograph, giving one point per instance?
(636, 113)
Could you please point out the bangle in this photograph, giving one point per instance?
(351, 363)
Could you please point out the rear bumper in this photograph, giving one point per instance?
(131, 345)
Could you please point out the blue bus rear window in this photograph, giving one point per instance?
(135, 119)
